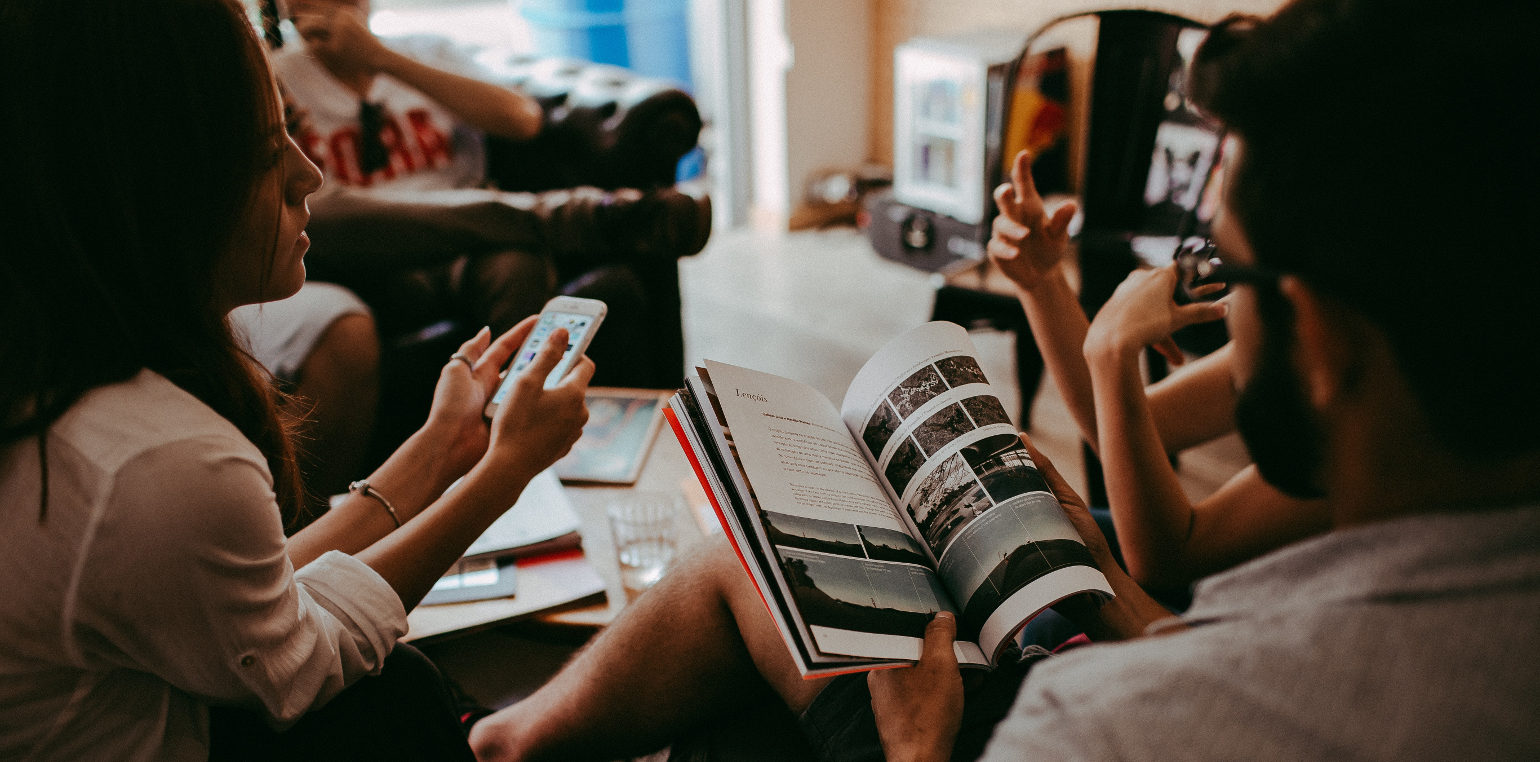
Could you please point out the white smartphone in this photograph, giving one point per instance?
(579, 316)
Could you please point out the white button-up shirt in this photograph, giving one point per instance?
(159, 582)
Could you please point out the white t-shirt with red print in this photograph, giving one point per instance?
(429, 148)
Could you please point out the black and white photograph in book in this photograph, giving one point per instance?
(986, 411)
(941, 428)
(890, 545)
(960, 370)
(979, 560)
(853, 540)
(948, 498)
(993, 568)
(923, 386)
(1003, 466)
(916, 390)
(788, 531)
(880, 427)
(838, 592)
(906, 461)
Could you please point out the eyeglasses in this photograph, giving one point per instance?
(1198, 264)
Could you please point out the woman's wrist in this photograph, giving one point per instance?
(424, 457)
(384, 60)
(454, 445)
(497, 475)
(928, 750)
(510, 464)
(1033, 281)
(1106, 349)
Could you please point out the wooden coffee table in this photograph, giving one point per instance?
(666, 470)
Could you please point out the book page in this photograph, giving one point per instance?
(797, 452)
(860, 582)
(542, 514)
(937, 435)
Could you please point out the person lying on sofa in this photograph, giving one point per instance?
(407, 219)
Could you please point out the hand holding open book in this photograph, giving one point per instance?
(857, 524)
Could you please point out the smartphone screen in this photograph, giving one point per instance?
(577, 330)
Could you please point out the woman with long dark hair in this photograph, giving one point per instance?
(146, 474)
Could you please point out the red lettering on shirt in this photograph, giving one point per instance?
(411, 145)
(343, 145)
(395, 147)
(433, 143)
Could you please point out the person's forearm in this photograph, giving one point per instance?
(413, 559)
(413, 477)
(491, 108)
(1059, 327)
(1128, 614)
(1149, 508)
(1196, 403)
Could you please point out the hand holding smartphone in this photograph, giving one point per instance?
(581, 317)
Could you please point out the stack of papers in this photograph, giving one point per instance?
(530, 559)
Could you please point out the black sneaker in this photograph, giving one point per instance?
(589, 227)
(662, 223)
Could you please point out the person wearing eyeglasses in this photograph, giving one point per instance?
(1167, 539)
(1371, 169)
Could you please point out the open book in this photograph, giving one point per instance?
(858, 523)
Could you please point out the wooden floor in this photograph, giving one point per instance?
(811, 306)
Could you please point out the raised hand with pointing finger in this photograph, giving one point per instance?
(1026, 241)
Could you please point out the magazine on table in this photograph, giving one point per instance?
(527, 563)
(858, 523)
(617, 437)
(541, 523)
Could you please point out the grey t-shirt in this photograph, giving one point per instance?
(1417, 638)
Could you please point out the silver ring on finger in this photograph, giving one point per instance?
(461, 356)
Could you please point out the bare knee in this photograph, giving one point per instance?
(709, 558)
(346, 357)
(714, 565)
(489, 745)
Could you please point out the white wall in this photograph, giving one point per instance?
(770, 58)
(809, 82)
(818, 75)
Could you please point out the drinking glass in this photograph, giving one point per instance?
(643, 527)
